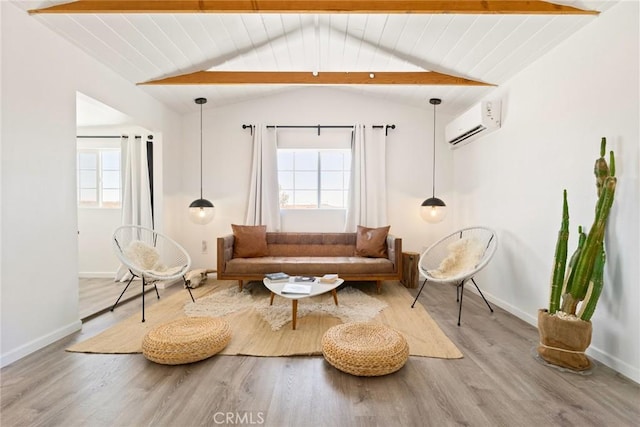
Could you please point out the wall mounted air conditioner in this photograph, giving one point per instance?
(481, 119)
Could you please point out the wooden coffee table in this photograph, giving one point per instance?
(317, 288)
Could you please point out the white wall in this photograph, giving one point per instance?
(95, 253)
(1, 180)
(96, 225)
(227, 158)
(556, 111)
(41, 74)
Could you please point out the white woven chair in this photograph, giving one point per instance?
(150, 255)
(432, 258)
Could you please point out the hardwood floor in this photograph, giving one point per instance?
(98, 295)
(497, 383)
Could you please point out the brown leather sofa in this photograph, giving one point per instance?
(311, 254)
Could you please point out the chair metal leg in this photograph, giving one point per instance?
(143, 283)
(188, 286)
(461, 285)
(482, 295)
(125, 290)
(414, 301)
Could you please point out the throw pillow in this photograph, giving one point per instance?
(464, 255)
(250, 241)
(372, 242)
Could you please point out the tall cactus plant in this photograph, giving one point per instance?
(582, 281)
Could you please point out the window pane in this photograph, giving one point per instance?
(285, 179)
(110, 196)
(99, 178)
(306, 160)
(84, 204)
(306, 199)
(285, 160)
(111, 179)
(286, 198)
(306, 180)
(88, 179)
(111, 160)
(298, 177)
(87, 161)
(332, 181)
(332, 160)
(332, 199)
(89, 195)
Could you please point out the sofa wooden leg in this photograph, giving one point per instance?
(240, 285)
(378, 285)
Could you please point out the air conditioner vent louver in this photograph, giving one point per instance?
(480, 120)
(468, 134)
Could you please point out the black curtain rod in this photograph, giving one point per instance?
(385, 127)
(106, 136)
(102, 136)
(149, 137)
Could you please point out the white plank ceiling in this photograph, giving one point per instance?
(487, 48)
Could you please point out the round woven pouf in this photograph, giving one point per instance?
(186, 340)
(365, 349)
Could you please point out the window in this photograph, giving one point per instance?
(99, 182)
(314, 179)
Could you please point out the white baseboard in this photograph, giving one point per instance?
(96, 274)
(631, 372)
(111, 275)
(166, 284)
(35, 345)
(522, 315)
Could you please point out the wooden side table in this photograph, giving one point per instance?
(410, 274)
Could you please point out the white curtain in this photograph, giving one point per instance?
(136, 193)
(263, 207)
(368, 183)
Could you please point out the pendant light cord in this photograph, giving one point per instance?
(433, 180)
(200, 151)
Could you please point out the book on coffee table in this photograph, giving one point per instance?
(277, 277)
(329, 278)
(296, 288)
(304, 279)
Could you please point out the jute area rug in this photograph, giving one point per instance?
(254, 334)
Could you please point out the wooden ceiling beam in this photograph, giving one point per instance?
(317, 6)
(307, 78)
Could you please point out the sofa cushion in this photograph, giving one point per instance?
(249, 241)
(311, 244)
(372, 242)
(310, 265)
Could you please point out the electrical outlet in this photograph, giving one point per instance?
(205, 247)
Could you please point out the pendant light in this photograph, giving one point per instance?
(433, 209)
(201, 211)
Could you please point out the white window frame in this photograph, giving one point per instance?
(99, 184)
(346, 170)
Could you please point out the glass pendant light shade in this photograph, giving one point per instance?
(433, 210)
(201, 211)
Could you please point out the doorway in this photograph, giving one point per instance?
(100, 129)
